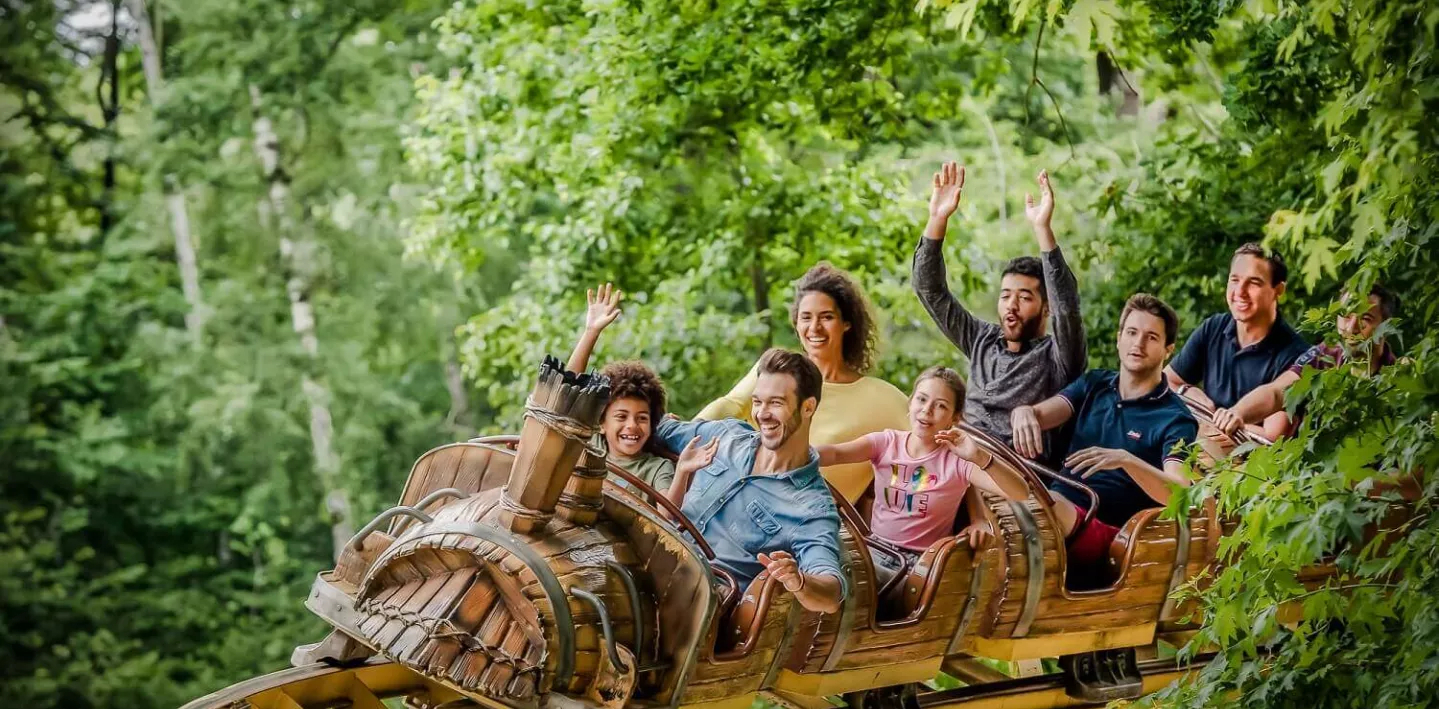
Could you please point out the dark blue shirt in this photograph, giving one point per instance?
(742, 514)
(1213, 360)
(1151, 427)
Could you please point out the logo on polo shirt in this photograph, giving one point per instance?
(1135, 435)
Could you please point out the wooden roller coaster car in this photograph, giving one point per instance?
(516, 573)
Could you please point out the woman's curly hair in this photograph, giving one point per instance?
(861, 340)
(631, 379)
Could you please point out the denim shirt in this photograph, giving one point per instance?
(742, 515)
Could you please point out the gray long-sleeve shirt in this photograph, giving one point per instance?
(1000, 380)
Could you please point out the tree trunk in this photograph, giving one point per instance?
(459, 419)
(110, 111)
(151, 60)
(297, 258)
(1113, 79)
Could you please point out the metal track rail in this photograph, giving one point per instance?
(364, 686)
(1046, 691)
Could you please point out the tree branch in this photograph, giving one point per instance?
(1035, 80)
(1033, 70)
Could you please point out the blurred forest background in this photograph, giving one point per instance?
(255, 257)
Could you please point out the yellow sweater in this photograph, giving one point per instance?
(846, 412)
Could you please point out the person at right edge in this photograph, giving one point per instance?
(1014, 363)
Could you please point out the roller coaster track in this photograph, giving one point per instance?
(365, 686)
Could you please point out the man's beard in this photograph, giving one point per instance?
(787, 429)
(1029, 329)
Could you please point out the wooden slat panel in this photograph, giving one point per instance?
(1107, 620)
(893, 654)
(696, 692)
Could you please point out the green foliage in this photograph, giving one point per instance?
(159, 517)
(159, 520)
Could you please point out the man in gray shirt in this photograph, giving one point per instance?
(1015, 362)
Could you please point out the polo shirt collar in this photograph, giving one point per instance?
(1271, 341)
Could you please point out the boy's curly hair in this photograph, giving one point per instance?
(631, 379)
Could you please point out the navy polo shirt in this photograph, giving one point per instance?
(1151, 427)
(1213, 360)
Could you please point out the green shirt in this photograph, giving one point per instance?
(657, 471)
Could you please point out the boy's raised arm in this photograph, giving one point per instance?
(603, 308)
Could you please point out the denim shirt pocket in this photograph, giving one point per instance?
(705, 477)
(763, 519)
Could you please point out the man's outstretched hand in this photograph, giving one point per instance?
(1040, 211)
(944, 200)
(783, 567)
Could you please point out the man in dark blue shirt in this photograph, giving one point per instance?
(1129, 431)
(1230, 355)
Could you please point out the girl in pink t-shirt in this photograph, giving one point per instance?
(923, 475)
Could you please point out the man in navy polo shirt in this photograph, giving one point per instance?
(1129, 431)
(1230, 355)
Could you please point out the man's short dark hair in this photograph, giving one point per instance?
(1147, 303)
(1388, 302)
(808, 381)
(1028, 266)
(1278, 272)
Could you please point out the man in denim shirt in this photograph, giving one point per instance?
(757, 496)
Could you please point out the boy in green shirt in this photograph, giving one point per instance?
(637, 399)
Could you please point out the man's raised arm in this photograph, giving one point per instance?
(928, 275)
(1072, 352)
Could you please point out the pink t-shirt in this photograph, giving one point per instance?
(915, 499)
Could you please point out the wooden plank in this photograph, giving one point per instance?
(1054, 645)
(372, 625)
(1124, 597)
(470, 467)
(392, 629)
(439, 606)
(892, 655)
(1107, 620)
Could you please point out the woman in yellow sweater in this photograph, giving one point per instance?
(834, 324)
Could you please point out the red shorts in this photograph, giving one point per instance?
(1089, 544)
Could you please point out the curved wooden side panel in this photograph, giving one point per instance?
(1031, 563)
(753, 666)
(672, 572)
(469, 467)
(936, 596)
(822, 649)
(938, 603)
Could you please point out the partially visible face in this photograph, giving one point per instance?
(1021, 309)
(1359, 328)
(1251, 293)
(777, 410)
(626, 426)
(820, 326)
(932, 408)
(1141, 343)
